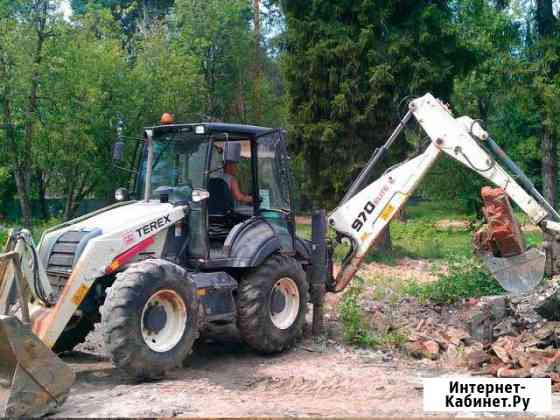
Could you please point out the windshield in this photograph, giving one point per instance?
(179, 161)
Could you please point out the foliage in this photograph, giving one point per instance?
(349, 65)
(87, 87)
(216, 32)
(337, 73)
(133, 16)
(65, 83)
(465, 278)
(356, 330)
(512, 89)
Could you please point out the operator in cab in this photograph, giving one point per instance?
(232, 154)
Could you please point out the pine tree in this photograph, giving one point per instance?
(349, 66)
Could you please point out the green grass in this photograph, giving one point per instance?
(38, 227)
(3, 238)
(357, 331)
(435, 210)
(303, 231)
(421, 237)
(465, 278)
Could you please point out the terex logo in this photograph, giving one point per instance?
(156, 224)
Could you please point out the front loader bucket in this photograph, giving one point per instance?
(33, 380)
(519, 273)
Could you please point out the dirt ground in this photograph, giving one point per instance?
(224, 378)
(227, 379)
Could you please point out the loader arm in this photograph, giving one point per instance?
(365, 212)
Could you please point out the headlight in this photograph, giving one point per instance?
(121, 194)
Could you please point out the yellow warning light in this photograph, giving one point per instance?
(167, 118)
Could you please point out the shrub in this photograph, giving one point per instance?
(356, 329)
(465, 278)
(3, 238)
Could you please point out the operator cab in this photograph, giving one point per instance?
(185, 164)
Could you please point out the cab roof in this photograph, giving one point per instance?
(242, 130)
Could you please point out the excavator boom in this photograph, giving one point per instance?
(366, 210)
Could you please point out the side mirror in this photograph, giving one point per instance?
(199, 194)
(232, 151)
(122, 194)
(118, 151)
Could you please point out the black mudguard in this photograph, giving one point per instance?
(252, 242)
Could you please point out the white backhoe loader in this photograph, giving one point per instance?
(182, 254)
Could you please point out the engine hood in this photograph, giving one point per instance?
(113, 230)
(126, 217)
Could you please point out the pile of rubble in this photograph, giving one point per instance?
(525, 340)
(504, 336)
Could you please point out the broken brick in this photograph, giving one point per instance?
(503, 348)
(476, 358)
(505, 372)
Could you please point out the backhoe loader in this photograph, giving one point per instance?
(178, 253)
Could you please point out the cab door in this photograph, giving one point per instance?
(275, 186)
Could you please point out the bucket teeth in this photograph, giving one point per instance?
(38, 380)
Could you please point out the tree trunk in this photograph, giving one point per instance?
(257, 64)
(69, 206)
(402, 216)
(546, 28)
(384, 244)
(25, 203)
(24, 167)
(42, 190)
(76, 193)
(549, 168)
(545, 18)
(69, 202)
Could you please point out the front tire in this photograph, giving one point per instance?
(150, 318)
(271, 303)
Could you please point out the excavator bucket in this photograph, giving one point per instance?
(519, 273)
(33, 380)
(501, 247)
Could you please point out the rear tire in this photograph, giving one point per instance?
(271, 304)
(150, 318)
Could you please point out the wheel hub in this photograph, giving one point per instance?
(163, 320)
(155, 318)
(278, 301)
(284, 303)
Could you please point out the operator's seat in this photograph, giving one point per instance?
(220, 209)
(220, 202)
